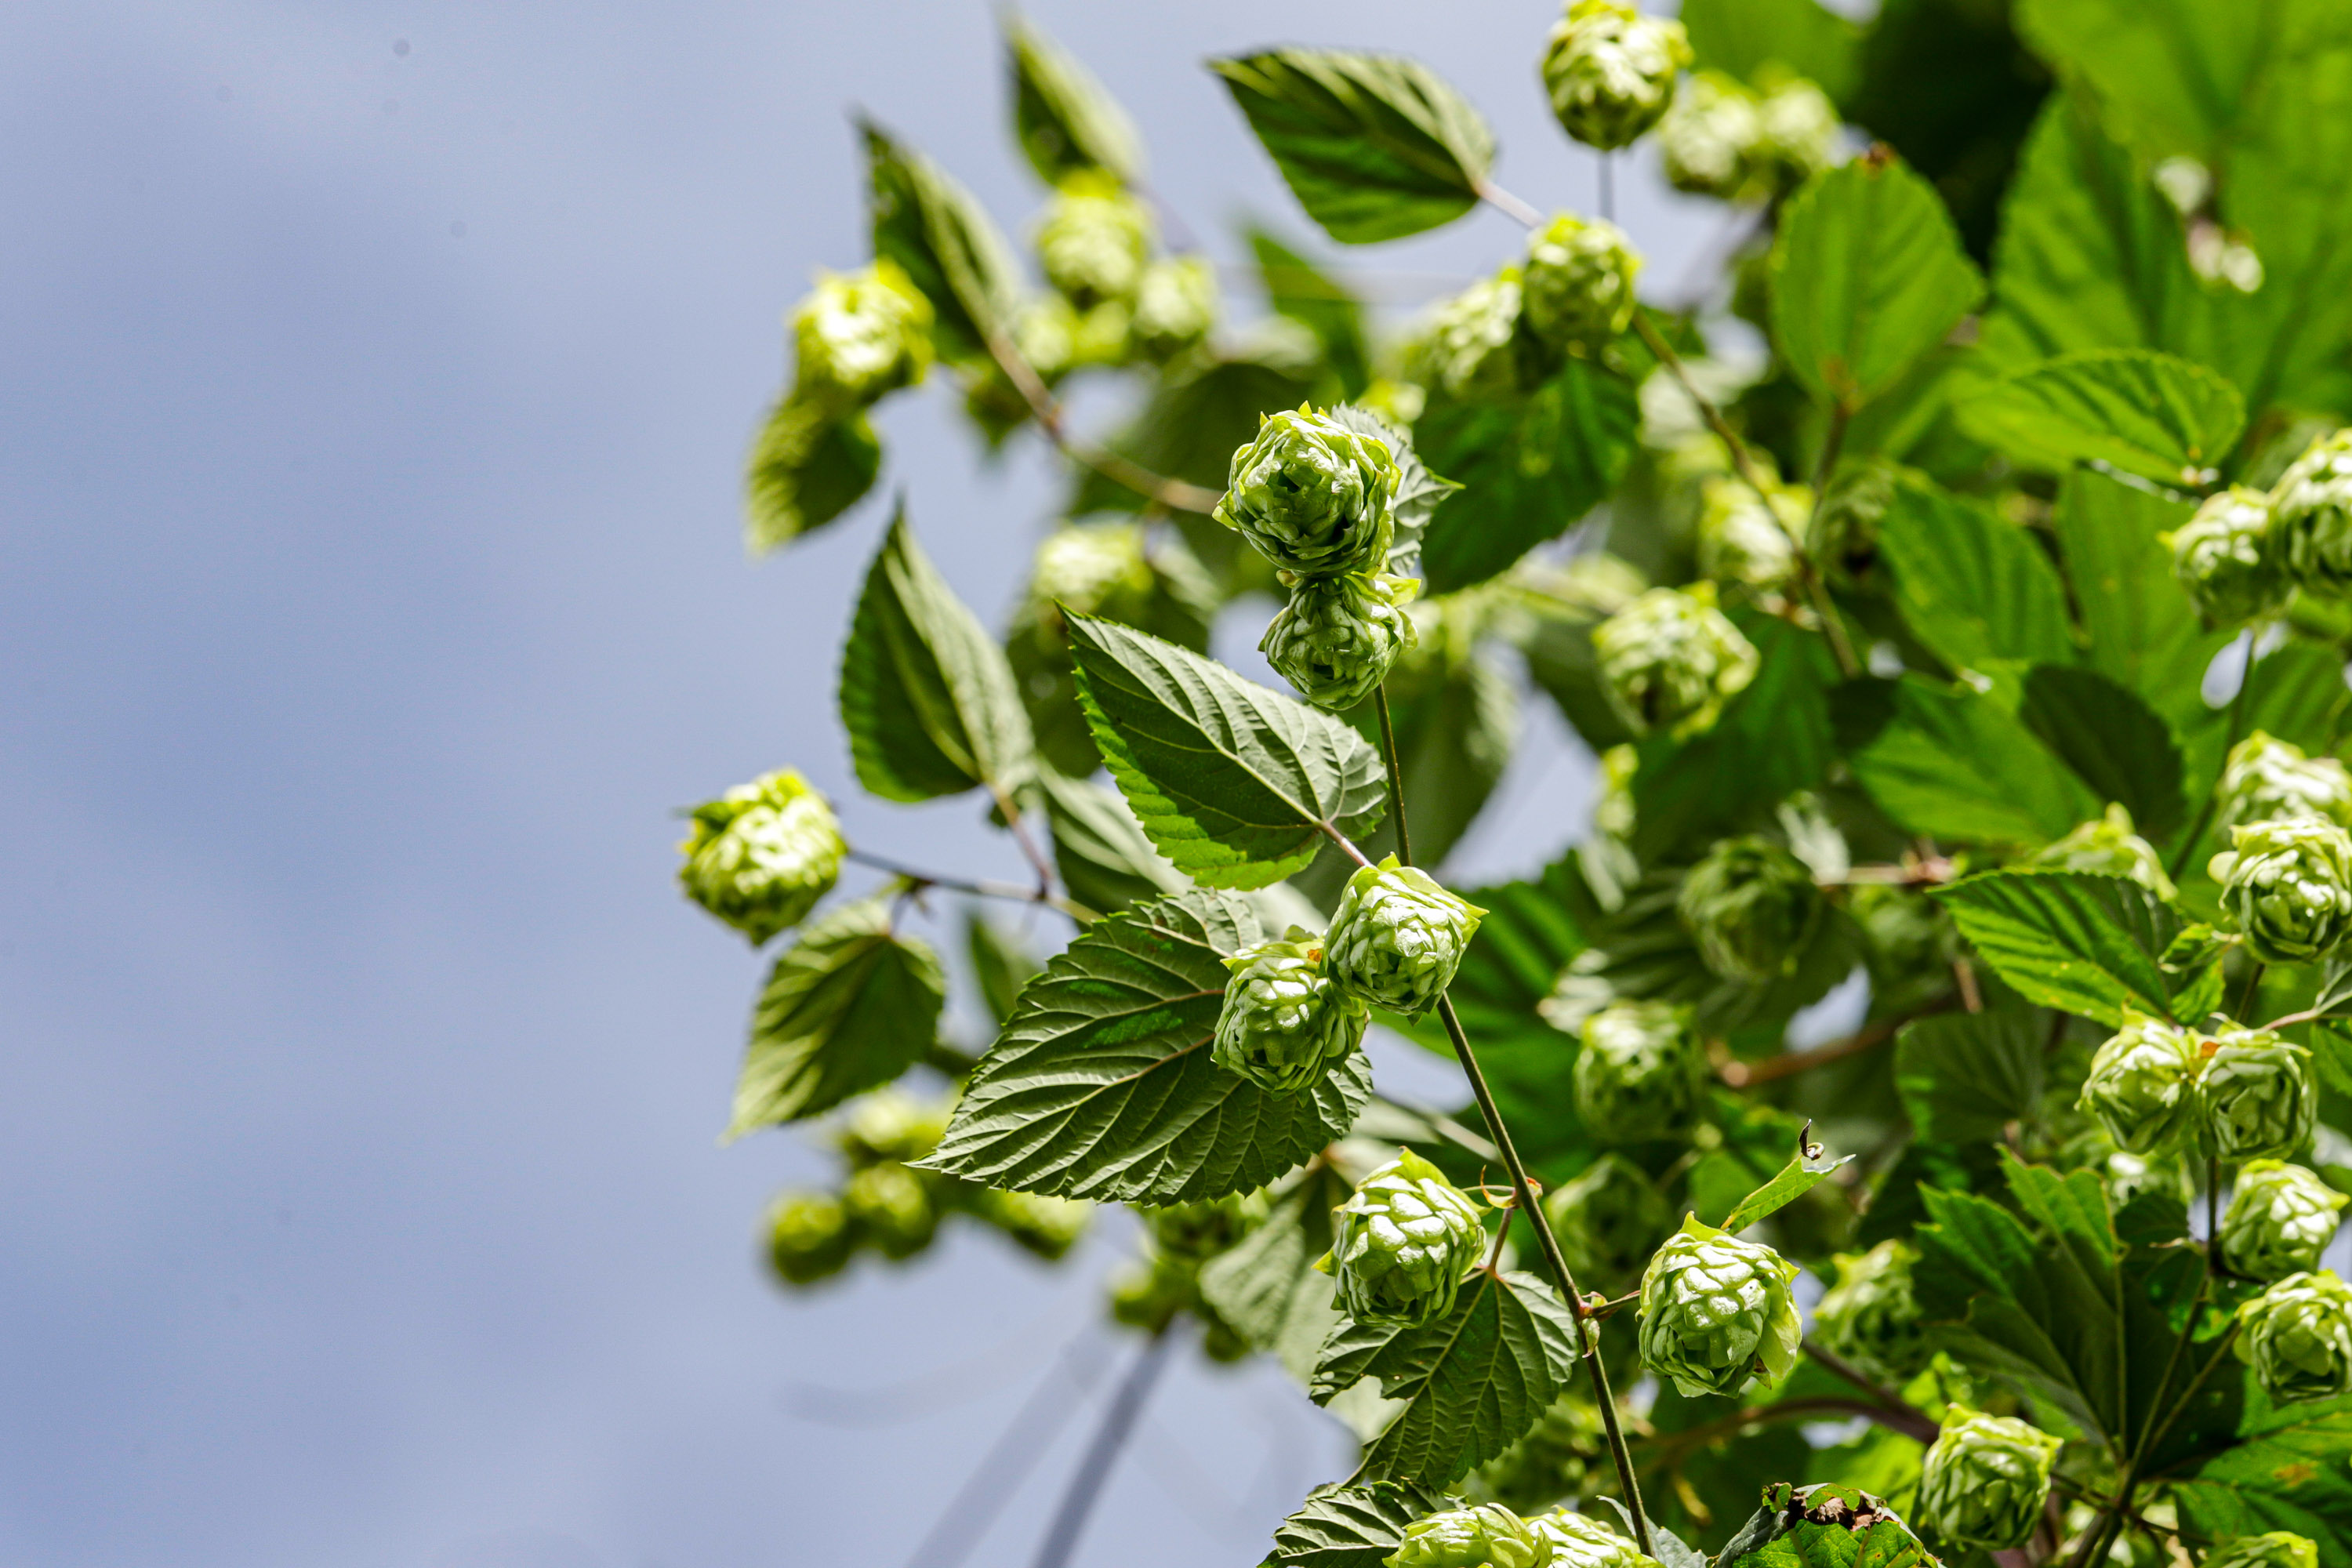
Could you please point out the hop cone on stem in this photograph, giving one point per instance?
(1984, 1479)
(1608, 1220)
(761, 855)
(809, 1236)
(1871, 1317)
(1609, 71)
(1578, 1541)
(2142, 1088)
(2281, 1218)
(1401, 1244)
(2222, 559)
(1337, 638)
(2272, 1548)
(1751, 907)
(2287, 885)
(2257, 1100)
(2265, 778)
(1312, 496)
(2311, 516)
(1486, 1536)
(1716, 1313)
(1638, 1076)
(859, 335)
(1577, 286)
(1398, 937)
(1285, 1023)
(2108, 844)
(1671, 660)
(2297, 1336)
(1094, 241)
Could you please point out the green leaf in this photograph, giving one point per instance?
(1973, 588)
(1532, 466)
(1742, 37)
(1234, 783)
(2143, 632)
(1472, 1383)
(1104, 859)
(2154, 414)
(2075, 941)
(1806, 1169)
(1296, 287)
(1867, 275)
(926, 693)
(932, 226)
(1457, 724)
(1952, 764)
(1373, 146)
(1355, 1525)
(2111, 740)
(1965, 1076)
(1267, 1288)
(850, 1007)
(806, 468)
(1066, 120)
(1101, 1085)
(998, 963)
(2297, 1477)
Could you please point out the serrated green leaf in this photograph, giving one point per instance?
(2078, 941)
(1867, 276)
(1373, 146)
(2297, 1477)
(849, 1006)
(806, 468)
(926, 694)
(1236, 783)
(934, 228)
(1355, 1525)
(1952, 764)
(1267, 1288)
(2150, 414)
(1472, 1383)
(2143, 632)
(1101, 1085)
(1965, 1076)
(1296, 287)
(1065, 120)
(1743, 37)
(2112, 740)
(1973, 588)
(1104, 859)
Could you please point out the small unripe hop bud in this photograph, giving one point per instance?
(1039, 1223)
(1094, 241)
(1487, 1536)
(1175, 304)
(1798, 129)
(1609, 71)
(1470, 346)
(1195, 1231)
(1312, 496)
(2311, 516)
(761, 855)
(1670, 660)
(2297, 1336)
(1751, 907)
(2108, 844)
(1401, 1242)
(2257, 1100)
(809, 1238)
(2142, 1088)
(891, 1205)
(1338, 638)
(2286, 886)
(1577, 287)
(860, 335)
(1398, 937)
(1609, 1219)
(2222, 559)
(1742, 539)
(2265, 778)
(1716, 1313)
(890, 1125)
(1638, 1073)
(1045, 333)
(1580, 1542)
(2272, 1548)
(1285, 1023)
(1708, 140)
(1984, 1479)
(1871, 1317)
(1095, 569)
(2281, 1219)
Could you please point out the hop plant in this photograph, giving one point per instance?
(2108, 844)
(1609, 71)
(1285, 1023)
(891, 1209)
(2286, 886)
(1741, 538)
(2257, 1100)
(891, 1125)
(809, 1236)
(1709, 138)
(1398, 937)
(2265, 778)
(1561, 1456)
(2297, 1336)
(2281, 1218)
(1609, 1219)
(1401, 1242)
(1984, 1479)
(1670, 660)
(1095, 569)
(1470, 346)
(2142, 1088)
(1871, 1317)
(1338, 638)
(1486, 1535)
(2222, 559)
(1638, 1076)
(761, 855)
(2311, 516)
(1751, 907)
(1577, 286)
(1175, 305)
(2272, 1548)
(1038, 1223)
(859, 335)
(1717, 1316)
(1195, 1231)
(1312, 496)
(1094, 241)
(1580, 1542)
(1797, 133)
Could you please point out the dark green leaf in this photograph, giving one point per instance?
(1066, 120)
(950, 247)
(1101, 1085)
(999, 963)
(1351, 1526)
(2111, 740)
(1295, 287)
(1965, 1076)
(1741, 36)
(2297, 1477)
(1951, 764)
(806, 468)
(1975, 589)
(1374, 147)
(2078, 941)
(2143, 632)
(1267, 1288)
(2154, 414)
(1104, 859)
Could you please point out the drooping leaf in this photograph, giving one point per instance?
(1066, 120)
(2142, 632)
(934, 228)
(2075, 941)
(1373, 146)
(1965, 1076)
(1952, 764)
(1350, 1525)
(2150, 414)
(806, 468)
(850, 1007)
(1104, 859)
(2112, 741)
(1296, 287)
(2295, 1477)
(1741, 36)
(1972, 588)
(1101, 1085)
(1867, 276)
(1234, 783)
(926, 693)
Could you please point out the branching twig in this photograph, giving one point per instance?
(1893, 1412)
(1174, 494)
(978, 889)
(1739, 1075)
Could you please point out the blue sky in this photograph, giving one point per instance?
(370, 593)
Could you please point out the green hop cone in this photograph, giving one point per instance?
(1670, 660)
(1577, 286)
(2108, 844)
(2265, 778)
(860, 335)
(2142, 1087)
(2281, 1219)
(889, 1124)
(1639, 1075)
(1486, 1536)
(2311, 516)
(2222, 559)
(1401, 1242)
(1609, 71)
(2272, 1548)
(1038, 1223)
(1751, 907)
(1984, 1479)
(1742, 539)
(1094, 241)
(2257, 1100)
(1175, 305)
(892, 1206)
(1797, 133)
(1471, 346)
(1398, 937)
(1338, 638)
(761, 855)
(1871, 1317)
(2286, 886)
(1095, 569)
(2297, 1336)
(1609, 1219)
(1578, 1541)
(1717, 1316)
(1708, 140)
(1147, 1292)
(809, 1238)
(1285, 1023)
(1195, 1231)
(1312, 496)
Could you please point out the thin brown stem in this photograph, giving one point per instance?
(979, 889)
(1175, 494)
(1347, 844)
(1672, 1447)
(1893, 1411)
(1396, 773)
(1010, 811)
(1739, 1075)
